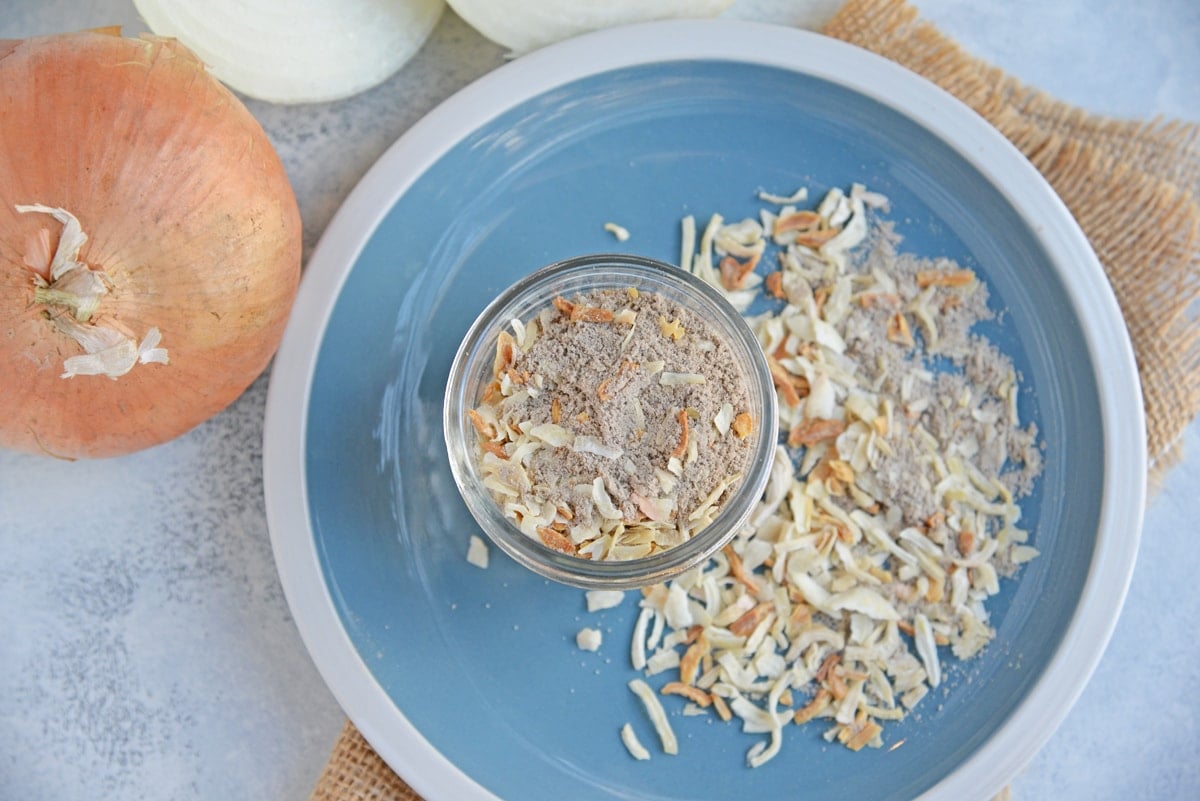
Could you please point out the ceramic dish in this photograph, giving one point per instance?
(468, 682)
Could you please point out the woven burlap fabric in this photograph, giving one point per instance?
(1133, 187)
(356, 773)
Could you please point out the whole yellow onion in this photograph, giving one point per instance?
(150, 244)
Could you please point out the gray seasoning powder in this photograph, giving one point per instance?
(639, 382)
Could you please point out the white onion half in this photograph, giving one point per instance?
(297, 52)
(521, 25)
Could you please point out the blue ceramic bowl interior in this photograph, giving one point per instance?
(484, 663)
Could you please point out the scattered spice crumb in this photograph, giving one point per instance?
(632, 744)
(618, 231)
(477, 552)
(657, 715)
(589, 639)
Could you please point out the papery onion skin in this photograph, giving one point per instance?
(189, 213)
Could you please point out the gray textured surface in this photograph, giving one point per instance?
(147, 650)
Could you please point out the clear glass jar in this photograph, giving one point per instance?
(472, 370)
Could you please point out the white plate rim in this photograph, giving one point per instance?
(384, 726)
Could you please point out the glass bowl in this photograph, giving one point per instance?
(472, 371)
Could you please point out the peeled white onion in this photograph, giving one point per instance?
(297, 52)
(522, 26)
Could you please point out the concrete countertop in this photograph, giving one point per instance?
(147, 650)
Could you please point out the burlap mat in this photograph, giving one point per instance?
(1133, 187)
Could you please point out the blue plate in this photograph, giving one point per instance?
(469, 682)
